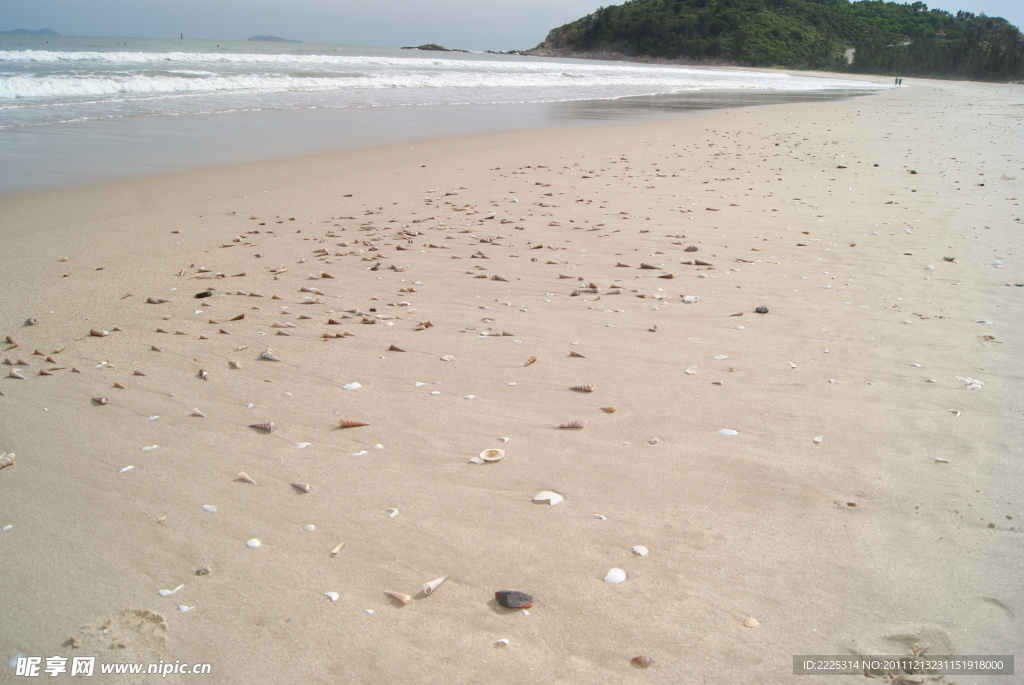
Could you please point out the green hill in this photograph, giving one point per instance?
(835, 35)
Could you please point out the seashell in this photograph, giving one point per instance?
(14, 373)
(395, 348)
(337, 549)
(609, 410)
(278, 324)
(350, 423)
(351, 386)
(244, 477)
(513, 599)
(640, 550)
(156, 300)
(168, 593)
(399, 597)
(100, 400)
(96, 333)
(333, 596)
(267, 426)
(551, 498)
(128, 468)
(493, 454)
(615, 575)
(642, 661)
(235, 364)
(574, 353)
(7, 460)
(819, 439)
(751, 622)
(302, 487)
(529, 361)
(576, 424)
(690, 299)
(269, 355)
(584, 388)
(210, 508)
(197, 412)
(433, 585)
(31, 322)
(117, 384)
(253, 543)
(728, 431)
(503, 642)
(202, 374)
(691, 370)
(392, 512)
(309, 528)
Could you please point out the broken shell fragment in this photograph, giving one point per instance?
(576, 424)
(399, 597)
(337, 549)
(267, 426)
(551, 498)
(333, 596)
(7, 460)
(432, 585)
(615, 575)
(493, 454)
(513, 599)
(642, 661)
(640, 550)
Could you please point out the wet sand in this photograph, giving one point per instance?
(868, 502)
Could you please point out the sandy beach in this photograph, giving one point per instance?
(840, 475)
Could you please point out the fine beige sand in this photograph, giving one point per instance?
(870, 501)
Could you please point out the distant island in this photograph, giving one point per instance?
(30, 32)
(273, 39)
(433, 46)
(870, 37)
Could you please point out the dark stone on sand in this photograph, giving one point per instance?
(205, 293)
(513, 599)
(761, 310)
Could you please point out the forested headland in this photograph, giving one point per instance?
(834, 35)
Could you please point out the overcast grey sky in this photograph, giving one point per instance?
(466, 24)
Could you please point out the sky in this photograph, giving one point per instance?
(464, 24)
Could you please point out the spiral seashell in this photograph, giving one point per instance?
(6, 460)
(395, 348)
(202, 374)
(235, 364)
(267, 426)
(574, 353)
(577, 424)
(237, 318)
(245, 478)
(584, 388)
(529, 361)
(269, 355)
(302, 487)
(118, 385)
(609, 410)
(197, 412)
(350, 423)
(100, 400)
(432, 585)
(399, 597)
(14, 373)
(642, 661)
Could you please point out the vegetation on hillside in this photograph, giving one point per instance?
(888, 37)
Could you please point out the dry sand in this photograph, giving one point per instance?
(883, 234)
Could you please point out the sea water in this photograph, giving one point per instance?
(77, 110)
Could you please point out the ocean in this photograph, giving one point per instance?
(81, 110)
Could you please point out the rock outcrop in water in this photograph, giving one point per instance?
(273, 39)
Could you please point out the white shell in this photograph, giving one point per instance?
(476, 460)
(168, 593)
(719, 357)
(432, 585)
(253, 543)
(126, 468)
(551, 498)
(309, 528)
(728, 431)
(182, 608)
(690, 299)
(503, 642)
(641, 550)
(333, 596)
(351, 386)
(392, 512)
(210, 508)
(616, 575)
(818, 440)
(691, 370)
(492, 455)
(6, 528)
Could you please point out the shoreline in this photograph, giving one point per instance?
(881, 234)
